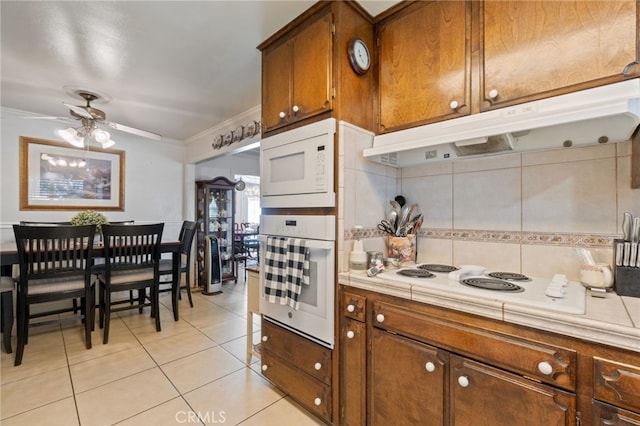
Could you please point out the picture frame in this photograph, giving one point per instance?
(57, 176)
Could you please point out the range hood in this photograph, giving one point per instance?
(605, 114)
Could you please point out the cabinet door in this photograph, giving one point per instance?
(277, 64)
(312, 78)
(483, 395)
(609, 415)
(353, 375)
(533, 49)
(424, 62)
(407, 382)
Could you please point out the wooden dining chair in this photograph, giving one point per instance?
(131, 262)
(187, 232)
(54, 264)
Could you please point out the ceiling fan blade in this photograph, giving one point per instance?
(41, 117)
(81, 111)
(133, 130)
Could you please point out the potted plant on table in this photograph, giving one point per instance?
(90, 217)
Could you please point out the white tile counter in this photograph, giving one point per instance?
(613, 320)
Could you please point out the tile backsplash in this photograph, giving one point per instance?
(520, 212)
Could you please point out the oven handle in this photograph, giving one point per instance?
(312, 244)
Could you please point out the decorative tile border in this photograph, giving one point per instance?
(510, 237)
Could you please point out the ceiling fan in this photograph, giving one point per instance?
(90, 119)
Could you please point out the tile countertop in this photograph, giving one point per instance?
(613, 320)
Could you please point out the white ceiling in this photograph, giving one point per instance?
(176, 68)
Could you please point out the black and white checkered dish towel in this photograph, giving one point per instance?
(286, 269)
(297, 271)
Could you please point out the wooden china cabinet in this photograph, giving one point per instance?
(215, 213)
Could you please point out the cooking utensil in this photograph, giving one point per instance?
(393, 219)
(627, 221)
(385, 226)
(417, 223)
(635, 230)
(401, 200)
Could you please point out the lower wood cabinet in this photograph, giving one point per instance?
(353, 370)
(610, 415)
(299, 367)
(483, 395)
(407, 381)
(409, 363)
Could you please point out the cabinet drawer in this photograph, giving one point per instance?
(306, 355)
(616, 383)
(311, 393)
(549, 364)
(353, 306)
(605, 414)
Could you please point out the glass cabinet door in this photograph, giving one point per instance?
(215, 204)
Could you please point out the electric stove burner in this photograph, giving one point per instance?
(492, 284)
(510, 276)
(437, 268)
(418, 273)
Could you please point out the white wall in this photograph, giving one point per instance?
(522, 212)
(154, 178)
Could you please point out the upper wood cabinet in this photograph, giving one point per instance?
(298, 75)
(535, 49)
(424, 70)
(306, 75)
(443, 59)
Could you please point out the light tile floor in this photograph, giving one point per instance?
(193, 372)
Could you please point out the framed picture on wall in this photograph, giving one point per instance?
(56, 176)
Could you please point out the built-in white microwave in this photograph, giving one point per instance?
(296, 167)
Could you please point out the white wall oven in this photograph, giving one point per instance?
(314, 316)
(296, 167)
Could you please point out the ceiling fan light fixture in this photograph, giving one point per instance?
(101, 136)
(71, 135)
(107, 144)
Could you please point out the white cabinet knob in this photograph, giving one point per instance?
(463, 381)
(317, 401)
(493, 93)
(380, 318)
(282, 114)
(295, 108)
(350, 334)
(430, 367)
(351, 308)
(265, 338)
(545, 368)
(264, 367)
(454, 105)
(317, 366)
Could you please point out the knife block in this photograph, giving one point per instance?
(627, 280)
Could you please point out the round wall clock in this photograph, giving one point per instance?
(359, 56)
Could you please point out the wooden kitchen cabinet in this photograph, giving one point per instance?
(440, 60)
(306, 74)
(298, 72)
(299, 367)
(424, 71)
(616, 392)
(481, 394)
(407, 381)
(535, 49)
(484, 371)
(610, 415)
(353, 356)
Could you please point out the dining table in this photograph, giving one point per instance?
(9, 257)
(248, 235)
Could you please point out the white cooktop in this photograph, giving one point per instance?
(574, 301)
